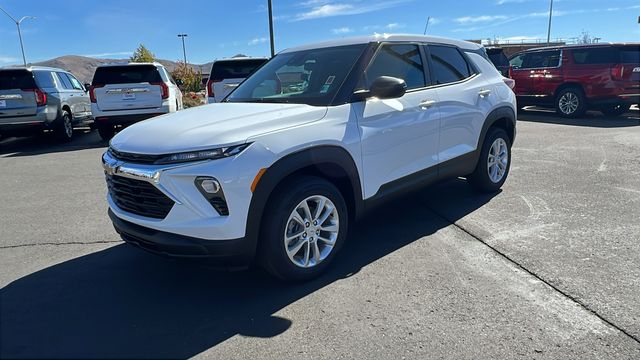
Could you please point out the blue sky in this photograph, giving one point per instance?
(223, 28)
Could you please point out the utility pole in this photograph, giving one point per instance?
(550, 16)
(18, 22)
(426, 25)
(273, 46)
(184, 50)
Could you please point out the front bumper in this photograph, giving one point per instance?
(235, 252)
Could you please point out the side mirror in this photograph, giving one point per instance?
(87, 86)
(179, 82)
(387, 87)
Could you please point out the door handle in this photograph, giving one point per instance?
(484, 92)
(426, 104)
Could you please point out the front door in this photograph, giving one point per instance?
(399, 137)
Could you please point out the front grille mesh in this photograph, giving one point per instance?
(138, 197)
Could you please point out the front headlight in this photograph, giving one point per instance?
(202, 155)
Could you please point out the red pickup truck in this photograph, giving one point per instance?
(576, 78)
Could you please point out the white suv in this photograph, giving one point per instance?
(305, 146)
(122, 94)
(227, 74)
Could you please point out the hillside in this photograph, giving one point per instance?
(83, 67)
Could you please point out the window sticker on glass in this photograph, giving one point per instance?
(330, 80)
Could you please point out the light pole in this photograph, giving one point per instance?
(18, 22)
(184, 51)
(273, 47)
(550, 16)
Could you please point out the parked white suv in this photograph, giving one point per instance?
(280, 169)
(227, 74)
(122, 94)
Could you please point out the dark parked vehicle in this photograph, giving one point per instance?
(576, 78)
(499, 59)
(36, 98)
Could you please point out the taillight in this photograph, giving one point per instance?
(41, 96)
(510, 82)
(210, 83)
(617, 72)
(92, 92)
(164, 88)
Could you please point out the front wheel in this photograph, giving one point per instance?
(615, 110)
(304, 226)
(495, 161)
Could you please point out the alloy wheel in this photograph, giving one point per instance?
(498, 160)
(311, 231)
(569, 103)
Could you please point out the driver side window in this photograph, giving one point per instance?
(402, 61)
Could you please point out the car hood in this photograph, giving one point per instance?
(211, 125)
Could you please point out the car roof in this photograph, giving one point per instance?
(130, 64)
(387, 38)
(31, 68)
(242, 58)
(579, 46)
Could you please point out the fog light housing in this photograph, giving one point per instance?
(210, 188)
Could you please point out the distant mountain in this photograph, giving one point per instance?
(83, 67)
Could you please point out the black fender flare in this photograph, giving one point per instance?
(499, 114)
(316, 157)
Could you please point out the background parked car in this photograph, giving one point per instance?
(499, 59)
(227, 74)
(34, 99)
(122, 94)
(575, 78)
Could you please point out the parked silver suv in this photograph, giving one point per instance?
(35, 98)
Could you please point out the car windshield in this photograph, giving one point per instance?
(310, 77)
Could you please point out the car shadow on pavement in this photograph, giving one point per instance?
(46, 143)
(124, 303)
(590, 119)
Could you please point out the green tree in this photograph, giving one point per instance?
(188, 79)
(142, 54)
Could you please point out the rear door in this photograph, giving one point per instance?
(17, 93)
(127, 87)
(83, 104)
(226, 75)
(465, 99)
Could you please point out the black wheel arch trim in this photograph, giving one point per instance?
(314, 157)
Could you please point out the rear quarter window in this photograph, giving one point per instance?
(594, 56)
(126, 74)
(44, 79)
(16, 79)
(234, 69)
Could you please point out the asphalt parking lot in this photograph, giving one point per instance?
(548, 268)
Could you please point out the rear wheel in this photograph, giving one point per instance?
(615, 110)
(495, 161)
(304, 227)
(571, 102)
(64, 128)
(106, 132)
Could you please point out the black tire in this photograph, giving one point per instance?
(106, 132)
(572, 95)
(615, 110)
(283, 202)
(63, 130)
(480, 179)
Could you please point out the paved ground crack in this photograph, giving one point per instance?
(530, 272)
(59, 244)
